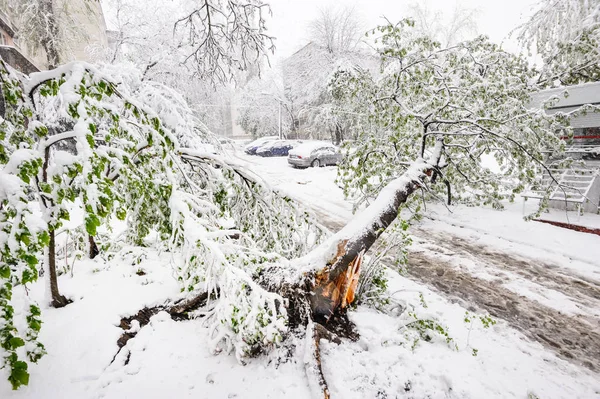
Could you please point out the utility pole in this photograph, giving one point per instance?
(280, 137)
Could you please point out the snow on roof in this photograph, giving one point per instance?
(260, 141)
(569, 96)
(306, 148)
(271, 144)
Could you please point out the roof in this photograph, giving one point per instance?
(569, 96)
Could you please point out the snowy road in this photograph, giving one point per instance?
(548, 293)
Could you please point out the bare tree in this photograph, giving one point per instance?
(447, 29)
(338, 29)
(222, 37)
(336, 36)
(135, 26)
(48, 25)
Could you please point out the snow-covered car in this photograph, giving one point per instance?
(256, 144)
(225, 140)
(205, 147)
(279, 148)
(314, 153)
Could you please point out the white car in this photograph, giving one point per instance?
(314, 153)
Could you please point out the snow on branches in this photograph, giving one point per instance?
(102, 135)
(566, 34)
(76, 141)
(223, 36)
(473, 96)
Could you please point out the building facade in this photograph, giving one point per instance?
(9, 48)
(83, 23)
(580, 184)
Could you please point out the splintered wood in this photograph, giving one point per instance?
(331, 294)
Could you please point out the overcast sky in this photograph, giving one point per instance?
(289, 24)
(291, 18)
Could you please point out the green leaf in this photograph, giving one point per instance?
(91, 223)
(35, 325)
(44, 238)
(18, 375)
(121, 214)
(30, 259)
(46, 188)
(28, 276)
(35, 310)
(16, 342)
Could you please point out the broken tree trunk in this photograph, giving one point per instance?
(335, 284)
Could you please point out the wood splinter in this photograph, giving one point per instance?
(332, 293)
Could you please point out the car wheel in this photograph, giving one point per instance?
(315, 163)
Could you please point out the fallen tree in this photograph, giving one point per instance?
(255, 263)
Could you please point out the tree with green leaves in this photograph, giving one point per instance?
(470, 100)
(268, 268)
(128, 165)
(67, 104)
(566, 34)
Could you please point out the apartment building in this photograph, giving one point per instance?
(9, 48)
(579, 186)
(86, 36)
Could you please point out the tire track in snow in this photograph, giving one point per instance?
(554, 277)
(575, 339)
(571, 338)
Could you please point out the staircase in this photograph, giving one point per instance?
(578, 188)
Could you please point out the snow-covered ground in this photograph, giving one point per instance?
(542, 283)
(541, 280)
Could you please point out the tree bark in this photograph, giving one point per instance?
(339, 134)
(58, 300)
(336, 283)
(50, 37)
(94, 251)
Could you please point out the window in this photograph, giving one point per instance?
(3, 40)
(587, 141)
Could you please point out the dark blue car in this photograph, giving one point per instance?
(256, 144)
(278, 148)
